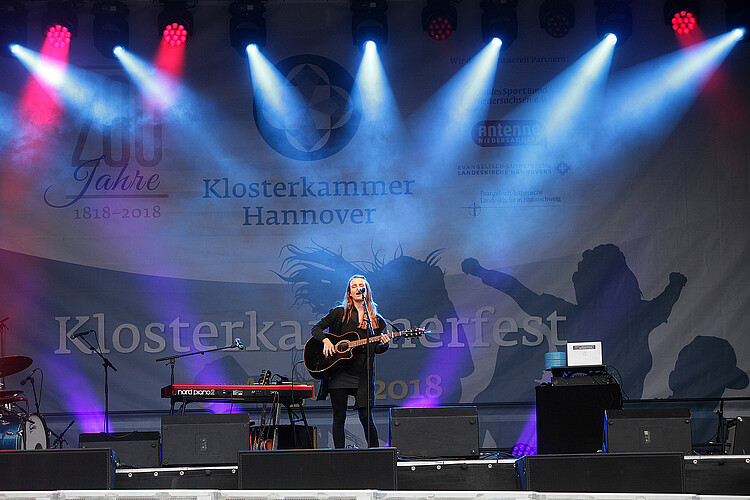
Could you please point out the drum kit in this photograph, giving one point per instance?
(19, 429)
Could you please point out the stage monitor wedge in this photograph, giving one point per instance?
(441, 432)
(203, 439)
(648, 431)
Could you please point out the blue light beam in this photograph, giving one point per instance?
(649, 100)
(87, 93)
(568, 104)
(282, 104)
(381, 127)
(458, 105)
(158, 88)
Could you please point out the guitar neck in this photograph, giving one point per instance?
(376, 338)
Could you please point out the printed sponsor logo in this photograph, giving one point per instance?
(501, 133)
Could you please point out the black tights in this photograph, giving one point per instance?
(339, 398)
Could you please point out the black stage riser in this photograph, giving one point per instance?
(183, 478)
(476, 475)
(604, 473)
(39, 470)
(78, 469)
(318, 469)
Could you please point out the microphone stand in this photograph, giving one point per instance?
(172, 359)
(370, 359)
(59, 440)
(720, 433)
(294, 431)
(33, 389)
(3, 331)
(106, 364)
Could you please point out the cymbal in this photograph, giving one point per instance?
(13, 364)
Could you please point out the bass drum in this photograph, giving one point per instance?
(14, 429)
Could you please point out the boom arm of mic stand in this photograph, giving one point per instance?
(172, 359)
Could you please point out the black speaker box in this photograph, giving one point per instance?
(664, 429)
(203, 439)
(132, 449)
(38, 470)
(294, 437)
(603, 473)
(444, 432)
(318, 469)
(570, 418)
(739, 437)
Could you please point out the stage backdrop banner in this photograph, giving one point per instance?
(505, 202)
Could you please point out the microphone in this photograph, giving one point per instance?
(81, 334)
(362, 290)
(238, 344)
(29, 376)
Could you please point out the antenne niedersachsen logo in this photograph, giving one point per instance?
(500, 133)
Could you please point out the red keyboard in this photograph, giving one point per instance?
(254, 393)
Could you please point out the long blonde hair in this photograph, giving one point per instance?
(370, 304)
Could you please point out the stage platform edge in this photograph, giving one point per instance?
(704, 475)
(331, 495)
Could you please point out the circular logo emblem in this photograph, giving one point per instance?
(313, 115)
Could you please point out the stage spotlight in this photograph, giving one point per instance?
(499, 20)
(247, 26)
(61, 23)
(681, 15)
(614, 16)
(439, 19)
(369, 22)
(738, 14)
(175, 23)
(557, 17)
(522, 449)
(12, 25)
(111, 28)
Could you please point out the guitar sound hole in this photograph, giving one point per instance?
(342, 346)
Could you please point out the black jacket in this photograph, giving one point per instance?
(358, 366)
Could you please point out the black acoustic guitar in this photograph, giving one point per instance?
(321, 366)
